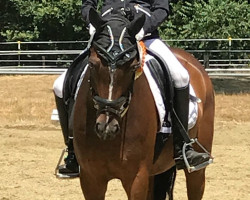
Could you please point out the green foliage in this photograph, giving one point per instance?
(28, 20)
(211, 19)
(60, 20)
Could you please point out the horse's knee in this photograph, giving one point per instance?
(140, 186)
(93, 189)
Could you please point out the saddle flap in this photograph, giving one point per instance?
(160, 73)
(73, 74)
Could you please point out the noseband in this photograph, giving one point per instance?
(116, 107)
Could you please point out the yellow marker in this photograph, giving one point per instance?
(19, 45)
(230, 40)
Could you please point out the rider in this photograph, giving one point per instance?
(156, 11)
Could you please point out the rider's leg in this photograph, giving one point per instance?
(180, 77)
(63, 118)
(71, 165)
(181, 109)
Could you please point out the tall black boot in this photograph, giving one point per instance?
(63, 118)
(180, 132)
(71, 167)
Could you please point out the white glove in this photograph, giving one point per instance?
(139, 36)
(92, 29)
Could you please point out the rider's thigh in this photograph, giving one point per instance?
(58, 85)
(179, 74)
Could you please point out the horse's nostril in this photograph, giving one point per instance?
(107, 130)
(116, 128)
(99, 127)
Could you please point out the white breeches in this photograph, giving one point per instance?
(179, 74)
(58, 85)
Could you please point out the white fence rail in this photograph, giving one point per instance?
(230, 72)
(31, 71)
(54, 57)
(213, 73)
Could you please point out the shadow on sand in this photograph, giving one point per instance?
(231, 85)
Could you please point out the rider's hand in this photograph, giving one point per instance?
(139, 36)
(92, 29)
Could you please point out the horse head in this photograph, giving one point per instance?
(113, 61)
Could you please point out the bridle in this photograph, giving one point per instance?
(112, 59)
(119, 106)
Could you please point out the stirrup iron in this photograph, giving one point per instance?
(198, 167)
(64, 176)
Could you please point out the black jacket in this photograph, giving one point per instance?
(158, 9)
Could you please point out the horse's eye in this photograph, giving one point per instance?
(91, 65)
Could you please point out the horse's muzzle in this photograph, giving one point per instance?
(107, 127)
(109, 115)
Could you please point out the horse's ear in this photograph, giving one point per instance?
(95, 19)
(136, 25)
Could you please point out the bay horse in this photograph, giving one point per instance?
(115, 119)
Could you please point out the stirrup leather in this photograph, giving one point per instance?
(64, 176)
(200, 166)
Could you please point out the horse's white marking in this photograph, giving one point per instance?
(107, 117)
(111, 73)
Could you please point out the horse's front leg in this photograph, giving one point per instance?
(93, 186)
(195, 184)
(137, 187)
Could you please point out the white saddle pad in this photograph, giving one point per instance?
(193, 104)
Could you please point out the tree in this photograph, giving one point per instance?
(28, 20)
(208, 19)
(42, 20)
(211, 19)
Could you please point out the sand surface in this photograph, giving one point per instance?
(30, 147)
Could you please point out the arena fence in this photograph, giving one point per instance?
(220, 57)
